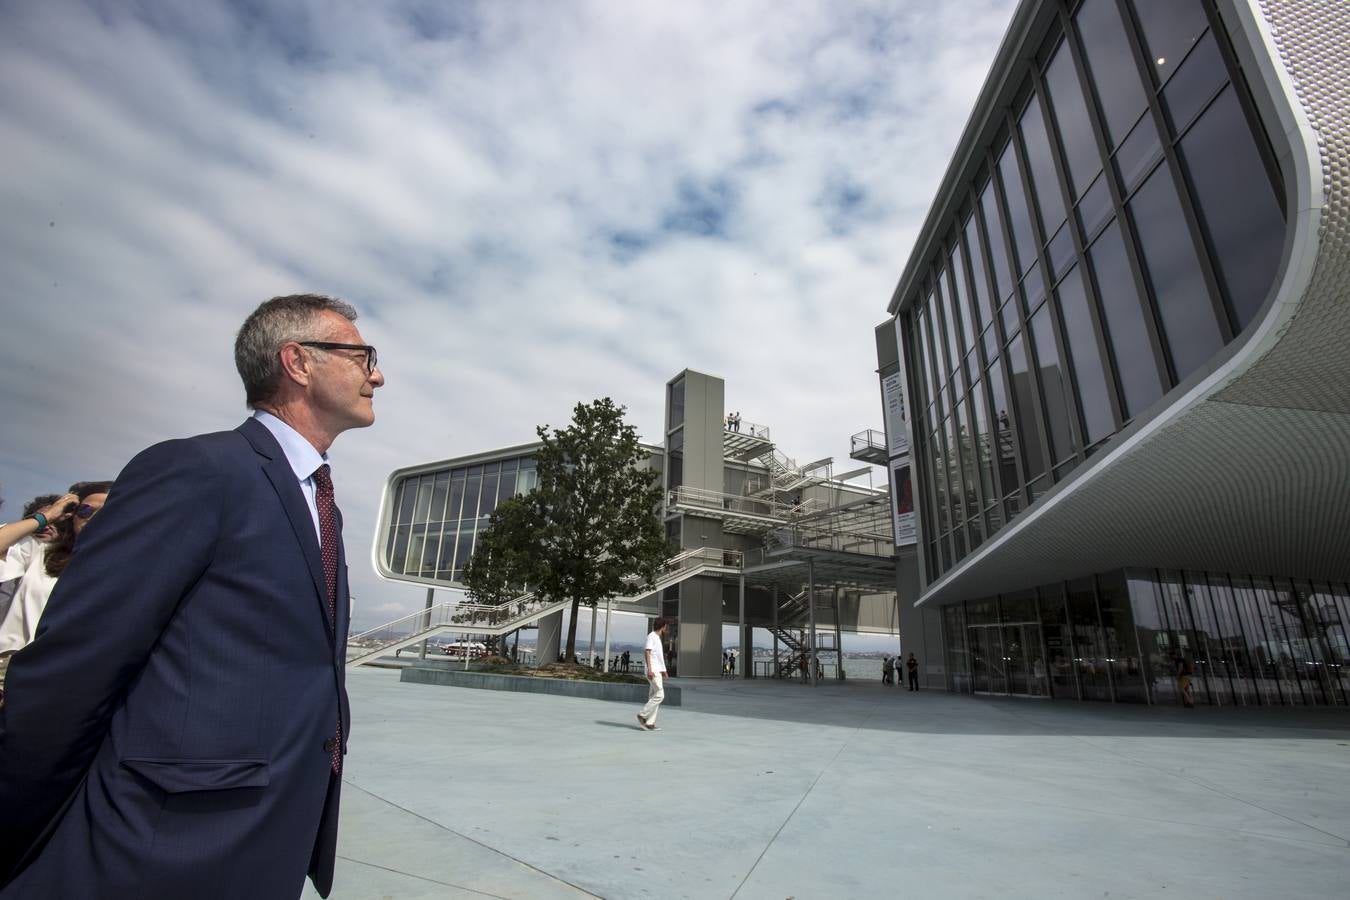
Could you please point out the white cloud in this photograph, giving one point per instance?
(532, 204)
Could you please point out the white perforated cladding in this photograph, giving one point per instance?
(1256, 478)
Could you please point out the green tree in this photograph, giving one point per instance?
(590, 528)
(499, 570)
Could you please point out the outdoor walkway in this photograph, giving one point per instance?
(760, 789)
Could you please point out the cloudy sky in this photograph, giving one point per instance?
(531, 204)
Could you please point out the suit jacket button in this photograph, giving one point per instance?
(329, 745)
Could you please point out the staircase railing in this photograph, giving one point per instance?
(483, 618)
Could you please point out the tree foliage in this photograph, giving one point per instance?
(590, 528)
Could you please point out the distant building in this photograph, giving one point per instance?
(1120, 342)
(744, 516)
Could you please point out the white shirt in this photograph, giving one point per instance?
(26, 559)
(301, 455)
(658, 654)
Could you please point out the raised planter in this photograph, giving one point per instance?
(421, 673)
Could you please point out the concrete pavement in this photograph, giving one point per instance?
(762, 789)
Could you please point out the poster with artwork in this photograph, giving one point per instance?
(893, 396)
(902, 503)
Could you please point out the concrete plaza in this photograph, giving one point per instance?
(763, 789)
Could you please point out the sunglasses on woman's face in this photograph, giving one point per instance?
(84, 511)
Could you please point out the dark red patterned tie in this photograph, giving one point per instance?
(328, 548)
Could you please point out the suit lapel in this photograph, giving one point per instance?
(278, 471)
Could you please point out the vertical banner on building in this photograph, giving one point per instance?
(893, 396)
(902, 503)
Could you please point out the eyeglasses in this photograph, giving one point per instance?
(372, 361)
(84, 511)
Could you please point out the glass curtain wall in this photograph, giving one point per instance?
(1123, 226)
(1128, 636)
(437, 515)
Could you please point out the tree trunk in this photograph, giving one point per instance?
(572, 632)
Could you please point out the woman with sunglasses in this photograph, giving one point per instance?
(27, 554)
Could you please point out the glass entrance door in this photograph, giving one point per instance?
(1007, 659)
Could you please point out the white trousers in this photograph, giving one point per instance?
(656, 692)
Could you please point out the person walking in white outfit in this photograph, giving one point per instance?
(655, 658)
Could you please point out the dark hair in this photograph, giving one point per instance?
(662, 622)
(63, 545)
(294, 317)
(37, 503)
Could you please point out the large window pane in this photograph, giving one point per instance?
(1055, 383)
(1004, 441)
(1170, 28)
(1233, 649)
(1086, 359)
(1264, 672)
(998, 250)
(1059, 649)
(1019, 214)
(1210, 666)
(1122, 648)
(962, 297)
(983, 440)
(1090, 650)
(1154, 640)
(1200, 76)
(1042, 166)
(950, 325)
(1075, 129)
(986, 305)
(1111, 63)
(1024, 389)
(1242, 216)
(1127, 331)
(1193, 335)
(1137, 155)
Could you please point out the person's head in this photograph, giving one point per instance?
(91, 495)
(39, 503)
(301, 356)
(661, 624)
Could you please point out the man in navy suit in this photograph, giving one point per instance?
(176, 728)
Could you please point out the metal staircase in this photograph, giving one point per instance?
(484, 619)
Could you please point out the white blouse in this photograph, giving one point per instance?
(26, 559)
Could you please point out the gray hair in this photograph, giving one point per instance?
(291, 318)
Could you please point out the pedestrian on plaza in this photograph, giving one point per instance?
(887, 670)
(1184, 672)
(655, 658)
(912, 667)
(625, 660)
(177, 727)
(726, 668)
(35, 550)
(731, 670)
(805, 666)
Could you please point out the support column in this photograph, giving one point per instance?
(609, 612)
(775, 630)
(740, 626)
(426, 621)
(590, 648)
(811, 608)
(838, 638)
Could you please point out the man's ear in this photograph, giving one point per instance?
(297, 364)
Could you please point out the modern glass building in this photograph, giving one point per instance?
(1119, 340)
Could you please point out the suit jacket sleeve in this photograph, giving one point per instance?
(133, 564)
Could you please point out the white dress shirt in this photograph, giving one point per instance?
(301, 455)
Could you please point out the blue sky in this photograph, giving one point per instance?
(531, 204)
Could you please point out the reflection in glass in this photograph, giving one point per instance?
(1075, 129)
(1242, 215)
(1019, 215)
(998, 250)
(1090, 653)
(1111, 64)
(1169, 29)
(977, 270)
(1024, 389)
(1055, 384)
(1192, 332)
(1060, 253)
(1095, 208)
(1005, 442)
(1088, 370)
(1138, 155)
(1127, 331)
(1121, 642)
(1042, 166)
(1198, 79)
(962, 297)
